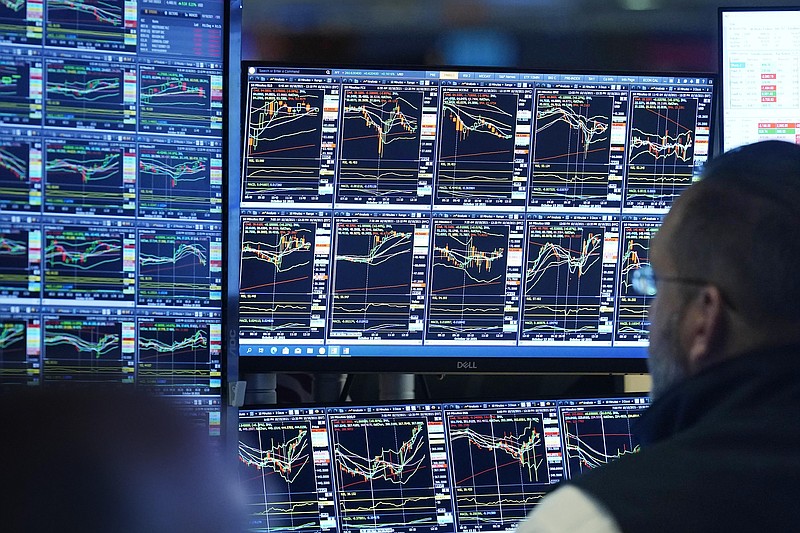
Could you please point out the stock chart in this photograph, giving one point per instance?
(383, 148)
(427, 215)
(111, 197)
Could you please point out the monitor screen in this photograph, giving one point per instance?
(111, 151)
(453, 220)
(452, 467)
(760, 75)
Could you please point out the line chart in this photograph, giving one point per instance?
(382, 146)
(285, 145)
(284, 468)
(661, 149)
(384, 471)
(94, 24)
(20, 261)
(20, 174)
(474, 289)
(633, 324)
(179, 268)
(89, 177)
(596, 435)
(179, 101)
(569, 279)
(573, 164)
(500, 466)
(477, 147)
(20, 100)
(177, 352)
(90, 94)
(87, 264)
(377, 279)
(87, 349)
(179, 182)
(283, 280)
(13, 351)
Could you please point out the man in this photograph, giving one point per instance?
(721, 440)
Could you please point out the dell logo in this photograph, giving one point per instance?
(462, 365)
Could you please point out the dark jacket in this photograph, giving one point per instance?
(720, 452)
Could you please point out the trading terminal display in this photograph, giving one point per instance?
(111, 196)
(453, 467)
(390, 212)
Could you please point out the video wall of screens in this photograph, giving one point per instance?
(111, 155)
(454, 220)
(760, 74)
(453, 467)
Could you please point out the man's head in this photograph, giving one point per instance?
(726, 257)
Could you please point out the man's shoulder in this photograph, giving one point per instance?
(569, 509)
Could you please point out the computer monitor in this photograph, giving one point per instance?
(760, 75)
(425, 467)
(446, 220)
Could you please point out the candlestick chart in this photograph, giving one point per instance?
(283, 150)
(469, 281)
(95, 24)
(499, 467)
(89, 178)
(661, 149)
(476, 148)
(380, 151)
(89, 94)
(179, 182)
(87, 264)
(373, 274)
(567, 282)
(384, 474)
(572, 158)
(179, 101)
(284, 467)
(282, 286)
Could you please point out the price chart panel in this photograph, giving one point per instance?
(20, 170)
(504, 458)
(179, 353)
(88, 348)
(387, 146)
(20, 348)
(570, 273)
(290, 142)
(21, 22)
(94, 24)
(668, 145)
(633, 323)
(20, 261)
(579, 142)
(390, 468)
(597, 431)
(285, 266)
(90, 176)
(285, 470)
(484, 137)
(21, 88)
(476, 270)
(380, 265)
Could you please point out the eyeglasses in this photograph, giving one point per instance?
(644, 281)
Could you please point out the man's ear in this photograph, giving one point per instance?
(702, 328)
